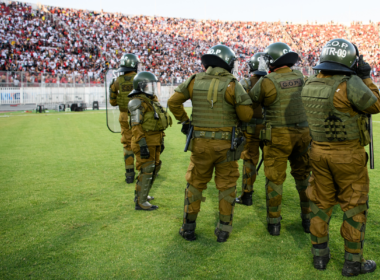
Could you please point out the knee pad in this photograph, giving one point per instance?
(324, 216)
(227, 197)
(148, 167)
(277, 189)
(360, 226)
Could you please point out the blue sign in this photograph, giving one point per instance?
(10, 96)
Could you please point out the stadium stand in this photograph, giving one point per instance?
(54, 45)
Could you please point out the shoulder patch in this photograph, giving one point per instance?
(127, 78)
(291, 83)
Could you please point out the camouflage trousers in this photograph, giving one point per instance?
(287, 144)
(340, 176)
(126, 138)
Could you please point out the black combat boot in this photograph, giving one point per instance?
(222, 235)
(187, 231)
(129, 176)
(245, 199)
(306, 225)
(274, 229)
(351, 268)
(321, 256)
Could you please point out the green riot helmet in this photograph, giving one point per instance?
(146, 82)
(129, 62)
(338, 55)
(254, 64)
(280, 54)
(219, 56)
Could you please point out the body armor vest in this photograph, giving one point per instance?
(287, 109)
(210, 109)
(125, 87)
(326, 123)
(157, 119)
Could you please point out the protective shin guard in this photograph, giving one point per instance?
(129, 157)
(129, 175)
(249, 175)
(224, 227)
(187, 231)
(149, 198)
(143, 185)
(354, 262)
(301, 186)
(156, 170)
(274, 223)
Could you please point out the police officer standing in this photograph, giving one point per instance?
(148, 121)
(251, 153)
(286, 133)
(219, 104)
(336, 102)
(119, 90)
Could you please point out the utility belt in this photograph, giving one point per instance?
(266, 133)
(218, 135)
(301, 124)
(250, 127)
(237, 142)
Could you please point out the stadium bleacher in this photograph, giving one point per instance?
(65, 46)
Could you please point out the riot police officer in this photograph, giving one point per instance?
(336, 103)
(252, 129)
(286, 133)
(119, 90)
(219, 104)
(148, 121)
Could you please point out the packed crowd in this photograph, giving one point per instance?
(33, 42)
(77, 43)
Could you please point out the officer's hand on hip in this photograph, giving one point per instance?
(364, 69)
(144, 152)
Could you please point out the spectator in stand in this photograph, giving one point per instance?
(86, 43)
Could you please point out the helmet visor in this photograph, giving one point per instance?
(235, 69)
(263, 63)
(151, 88)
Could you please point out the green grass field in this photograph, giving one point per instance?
(66, 213)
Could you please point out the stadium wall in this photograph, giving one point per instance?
(48, 95)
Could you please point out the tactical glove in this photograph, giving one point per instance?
(185, 127)
(364, 69)
(144, 151)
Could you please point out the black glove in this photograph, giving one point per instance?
(364, 69)
(185, 127)
(144, 152)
